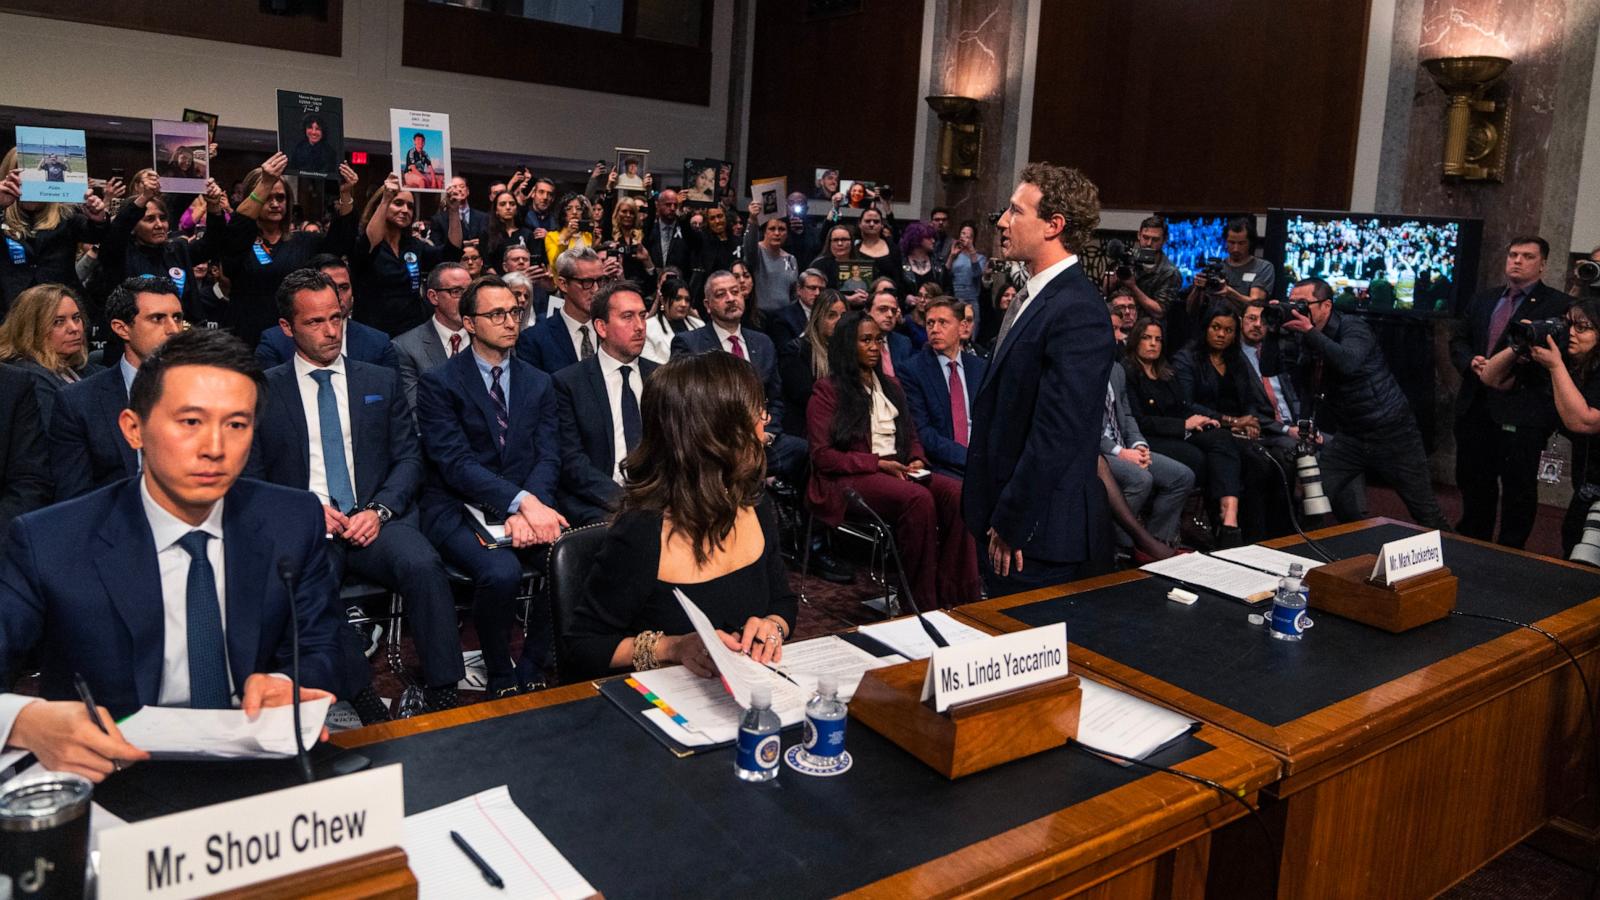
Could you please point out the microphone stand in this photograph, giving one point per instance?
(905, 585)
(287, 574)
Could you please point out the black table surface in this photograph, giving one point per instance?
(1210, 650)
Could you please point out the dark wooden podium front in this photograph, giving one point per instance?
(1402, 789)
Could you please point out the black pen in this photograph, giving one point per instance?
(489, 874)
(938, 639)
(88, 701)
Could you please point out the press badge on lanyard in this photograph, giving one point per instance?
(262, 256)
(19, 253)
(179, 277)
(413, 271)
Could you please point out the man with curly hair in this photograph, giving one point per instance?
(1032, 496)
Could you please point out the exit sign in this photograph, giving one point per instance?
(358, 157)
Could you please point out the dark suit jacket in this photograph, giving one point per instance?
(762, 356)
(362, 343)
(87, 449)
(680, 252)
(465, 463)
(547, 346)
(47, 385)
(93, 605)
(417, 351)
(786, 324)
(586, 493)
(900, 349)
(1528, 402)
(24, 473)
(477, 224)
(928, 392)
(383, 437)
(1036, 423)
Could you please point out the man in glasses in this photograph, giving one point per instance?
(489, 430)
(1336, 358)
(428, 345)
(566, 336)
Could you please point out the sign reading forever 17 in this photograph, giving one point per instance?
(229, 845)
(979, 669)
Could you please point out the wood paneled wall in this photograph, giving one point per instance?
(234, 21)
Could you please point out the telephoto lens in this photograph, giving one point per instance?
(1587, 550)
(1313, 501)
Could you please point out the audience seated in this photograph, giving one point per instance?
(363, 343)
(43, 337)
(672, 315)
(788, 322)
(1146, 477)
(939, 381)
(805, 359)
(694, 518)
(566, 336)
(885, 310)
(428, 345)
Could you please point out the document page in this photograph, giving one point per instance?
(704, 706)
(1219, 575)
(1124, 724)
(181, 733)
(1266, 559)
(908, 638)
(499, 832)
(739, 672)
(831, 655)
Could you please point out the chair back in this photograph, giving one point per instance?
(571, 557)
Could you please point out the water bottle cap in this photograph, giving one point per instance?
(828, 685)
(760, 697)
(1296, 570)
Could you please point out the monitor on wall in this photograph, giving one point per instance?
(1194, 237)
(1377, 262)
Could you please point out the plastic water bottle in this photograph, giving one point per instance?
(759, 746)
(825, 720)
(1289, 618)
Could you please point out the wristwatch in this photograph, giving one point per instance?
(384, 513)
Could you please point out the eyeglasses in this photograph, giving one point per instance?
(841, 240)
(498, 316)
(1580, 326)
(589, 284)
(454, 292)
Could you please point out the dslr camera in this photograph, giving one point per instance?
(1129, 261)
(1215, 275)
(1524, 336)
(1273, 315)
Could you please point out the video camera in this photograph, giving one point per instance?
(1215, 275)
(1273, 315)
(1524, 336)
(1129, 260)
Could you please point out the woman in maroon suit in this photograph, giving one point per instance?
(862, 438)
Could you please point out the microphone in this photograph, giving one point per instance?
(905, 585)
(288, 575)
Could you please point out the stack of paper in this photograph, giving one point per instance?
(1218, 575)
(908, 638)
(1266, 559)
(1123, 724)
(508, 841)
(168, 732)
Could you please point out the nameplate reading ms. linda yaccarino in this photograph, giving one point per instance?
(1408, 558)
(243, 842)
(1006, 662)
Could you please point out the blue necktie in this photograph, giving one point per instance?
(208, 656)
(340, 494)
(502, 418)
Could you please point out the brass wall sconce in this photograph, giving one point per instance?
(1477, 136)
(960, 136)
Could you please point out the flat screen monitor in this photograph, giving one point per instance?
(1377, 262)
(1194, 237)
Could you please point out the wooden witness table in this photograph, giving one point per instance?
(1400, 790)
(1148, 838)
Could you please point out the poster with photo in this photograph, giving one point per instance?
(824, 183)
(311, 133)
(54, 164)
(862, 270)
(725, 184)
(770, 193)
(701, 180)
(632, 165)
(857, 194)
(195, 115)
(182, 155)
(420, 148)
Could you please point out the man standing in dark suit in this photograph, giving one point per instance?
(488, 424)
(363, 343)
(786, 453)
(474, 222)
(176, 590)
(789, 322)
(342, 430)
(1032, 496)
(566, 336)
(86, 445)
(24, 473)
(668, 240)
(939, 381)
(428, 345)
(598, 400)
(1500, 434)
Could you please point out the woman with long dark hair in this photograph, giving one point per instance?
(503, 229)
(694, 516)
(672, 315)
(388, 265)
(863, 440)
(838, 247)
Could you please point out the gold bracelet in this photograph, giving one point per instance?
(644, 651)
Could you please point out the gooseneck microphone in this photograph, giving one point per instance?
(288, 575)
(905, 585)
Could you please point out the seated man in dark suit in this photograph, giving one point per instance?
(428, 345)
(789, 322)
(342, 430)
(86, 446)
(566, 336)
(598, 403)
(939, 381)
(885, 310)
(24, 472)
(363, 343)
(135, 604)
(488, 425)
(786, 453)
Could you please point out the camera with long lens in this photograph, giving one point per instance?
(1216, 277)
(1273, 315)
(1587, 550)
(1129, 261)
(1587, 273)
(1524, 336)
(1313, 501)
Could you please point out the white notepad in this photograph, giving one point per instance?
(908, 638)
(504, 836)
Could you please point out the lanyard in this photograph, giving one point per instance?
(263, 256)
(413, 270)
(179, 277)
(19, 253)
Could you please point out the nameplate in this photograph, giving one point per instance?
(978, 669)
(1408, 558)
(242, 842)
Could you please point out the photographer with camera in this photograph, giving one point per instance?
(1238, 278)
(1336, 364)
(1500, 434)
(1144, 270)
(1576, 393)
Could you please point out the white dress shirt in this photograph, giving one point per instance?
(722, 339)
(611, 374)
(445, 335)
(882, 422)
(572, 326)
(308, 403)
(1037, 282)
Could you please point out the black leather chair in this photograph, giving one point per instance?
(566, 570)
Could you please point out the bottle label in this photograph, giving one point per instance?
(824, 737)
(758, 752)
(1288, 620)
